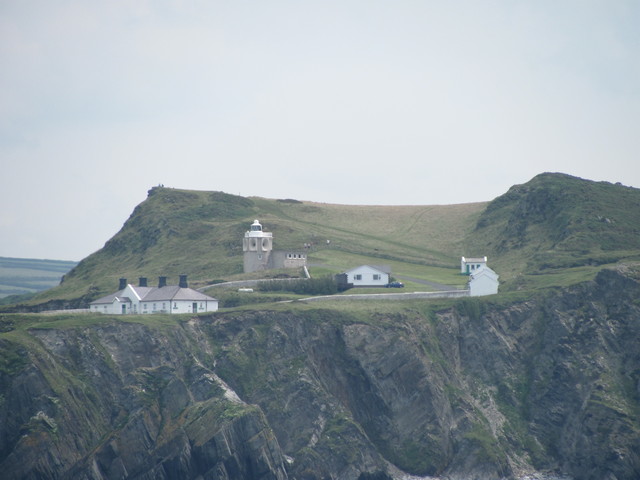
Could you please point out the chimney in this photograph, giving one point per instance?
(162, 282)
(142, 282)
(183, 282)
(123, 284)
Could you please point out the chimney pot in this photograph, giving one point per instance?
(142, 282)
(162, 282)
(123, 284)
(183, 282)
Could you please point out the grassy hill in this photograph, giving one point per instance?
(559, 228)
(555, 229)
(19, 276)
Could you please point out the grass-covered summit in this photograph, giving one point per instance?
(554, 229)
(557, 224)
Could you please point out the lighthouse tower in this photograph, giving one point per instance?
(257, 246)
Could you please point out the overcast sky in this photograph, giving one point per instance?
(356, 102)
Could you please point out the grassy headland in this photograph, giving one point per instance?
(554, 230)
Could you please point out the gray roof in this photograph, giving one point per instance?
(174, 293)
(108, 299)
(155, 294)
(142, 291)
(380, 268)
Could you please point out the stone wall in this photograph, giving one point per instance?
(392, 296)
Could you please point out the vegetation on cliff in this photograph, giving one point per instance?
(535, 379)
(473, 387)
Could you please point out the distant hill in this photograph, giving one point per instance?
(19, 276)
(553, 230)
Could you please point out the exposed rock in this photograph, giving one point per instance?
(478, 390)
(120, 401)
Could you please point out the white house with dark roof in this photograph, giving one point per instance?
(368, 276)
(132, 299)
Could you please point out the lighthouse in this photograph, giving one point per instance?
(257, 246)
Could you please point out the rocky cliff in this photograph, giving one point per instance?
(464, 389)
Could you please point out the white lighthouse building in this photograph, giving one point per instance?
(257, 246)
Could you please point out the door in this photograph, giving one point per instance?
(124, 308)
(195, 307)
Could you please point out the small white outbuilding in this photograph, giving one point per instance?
(483, 281)
(469, 265)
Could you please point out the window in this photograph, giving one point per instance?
(376, 276)
(357, 277)
(175, 305)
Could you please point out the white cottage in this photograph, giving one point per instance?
(161, 299)
(471, 264)
(368, 276)
(483, 282)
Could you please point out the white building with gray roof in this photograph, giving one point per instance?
(469, 265)
(132, 299)
(483, 281)
(368, 276)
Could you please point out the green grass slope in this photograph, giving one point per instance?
(200, 233)
(554, 230)
(557, 225)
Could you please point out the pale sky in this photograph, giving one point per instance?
(355, 102)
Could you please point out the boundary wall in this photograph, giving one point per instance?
(391, 296)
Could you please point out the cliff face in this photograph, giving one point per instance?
(126, 401)
(473, 390)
